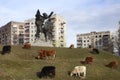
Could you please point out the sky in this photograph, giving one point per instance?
(82, 16)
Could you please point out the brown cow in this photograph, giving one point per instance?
(46, 54)
(41, 54)
(87, 60)
(27, 46)
(112, 64)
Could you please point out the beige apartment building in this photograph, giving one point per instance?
(12, 33)
(59, 31)
(30, 30)
(94, 39)
(16, 33)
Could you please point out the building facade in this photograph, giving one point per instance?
(15, 33)
(30, 30)
(12, 33)
(59, 31)
(94, 39)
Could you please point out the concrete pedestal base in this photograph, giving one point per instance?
(41, 42)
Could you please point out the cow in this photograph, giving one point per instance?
(47, 71)
(6, 49)
(27, 45)
(46, 54)
(87, 60)
(79, 70)
(95, 51)
(112, 64)
(71, 46)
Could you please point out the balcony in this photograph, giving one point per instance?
(27, 35)
(27, 38)
(62, 31)
(27, 26)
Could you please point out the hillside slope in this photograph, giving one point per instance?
(22, 65)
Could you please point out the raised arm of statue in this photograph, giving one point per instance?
(50, 14)
(38, 15)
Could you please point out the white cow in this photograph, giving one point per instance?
(80, 71)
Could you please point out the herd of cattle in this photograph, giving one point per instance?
(49, 71)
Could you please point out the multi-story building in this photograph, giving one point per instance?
(94, 39)
(30, 30)
(16, 33)
(12, 33)
(59, 31)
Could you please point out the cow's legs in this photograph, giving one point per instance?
(79, 74)
(83, 75)
(53, 56)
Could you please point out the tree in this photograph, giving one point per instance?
(117, 40)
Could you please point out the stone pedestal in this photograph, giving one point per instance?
(41, 42)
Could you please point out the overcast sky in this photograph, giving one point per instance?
(82, 16)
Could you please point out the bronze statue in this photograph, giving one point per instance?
(40, 21)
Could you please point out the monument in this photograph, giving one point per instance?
(43, 36)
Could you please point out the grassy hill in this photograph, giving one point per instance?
(21, 64)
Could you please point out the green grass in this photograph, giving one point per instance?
(21, 64)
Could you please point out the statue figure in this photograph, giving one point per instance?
(40, 22)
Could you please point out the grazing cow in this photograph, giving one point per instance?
(6, 49)
(46, 53)
(71, 46)
(27, 46)
(87, 60)
(112, 64)
(80, 71)
(95, 51)
(47, 71)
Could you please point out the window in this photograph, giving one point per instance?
(26, 26)
(84, 37)
(87, 40)
(32, 31)
(96, 42)
(84, 40)
(27, 23)
(31, 35)
(14, 28)
(100, 41)
(26, 35)
(32, 23)
(21, 27)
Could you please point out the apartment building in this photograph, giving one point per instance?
(12, 33)
(30, 30)
(59, 30)
(15, 33)
(94, 39)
